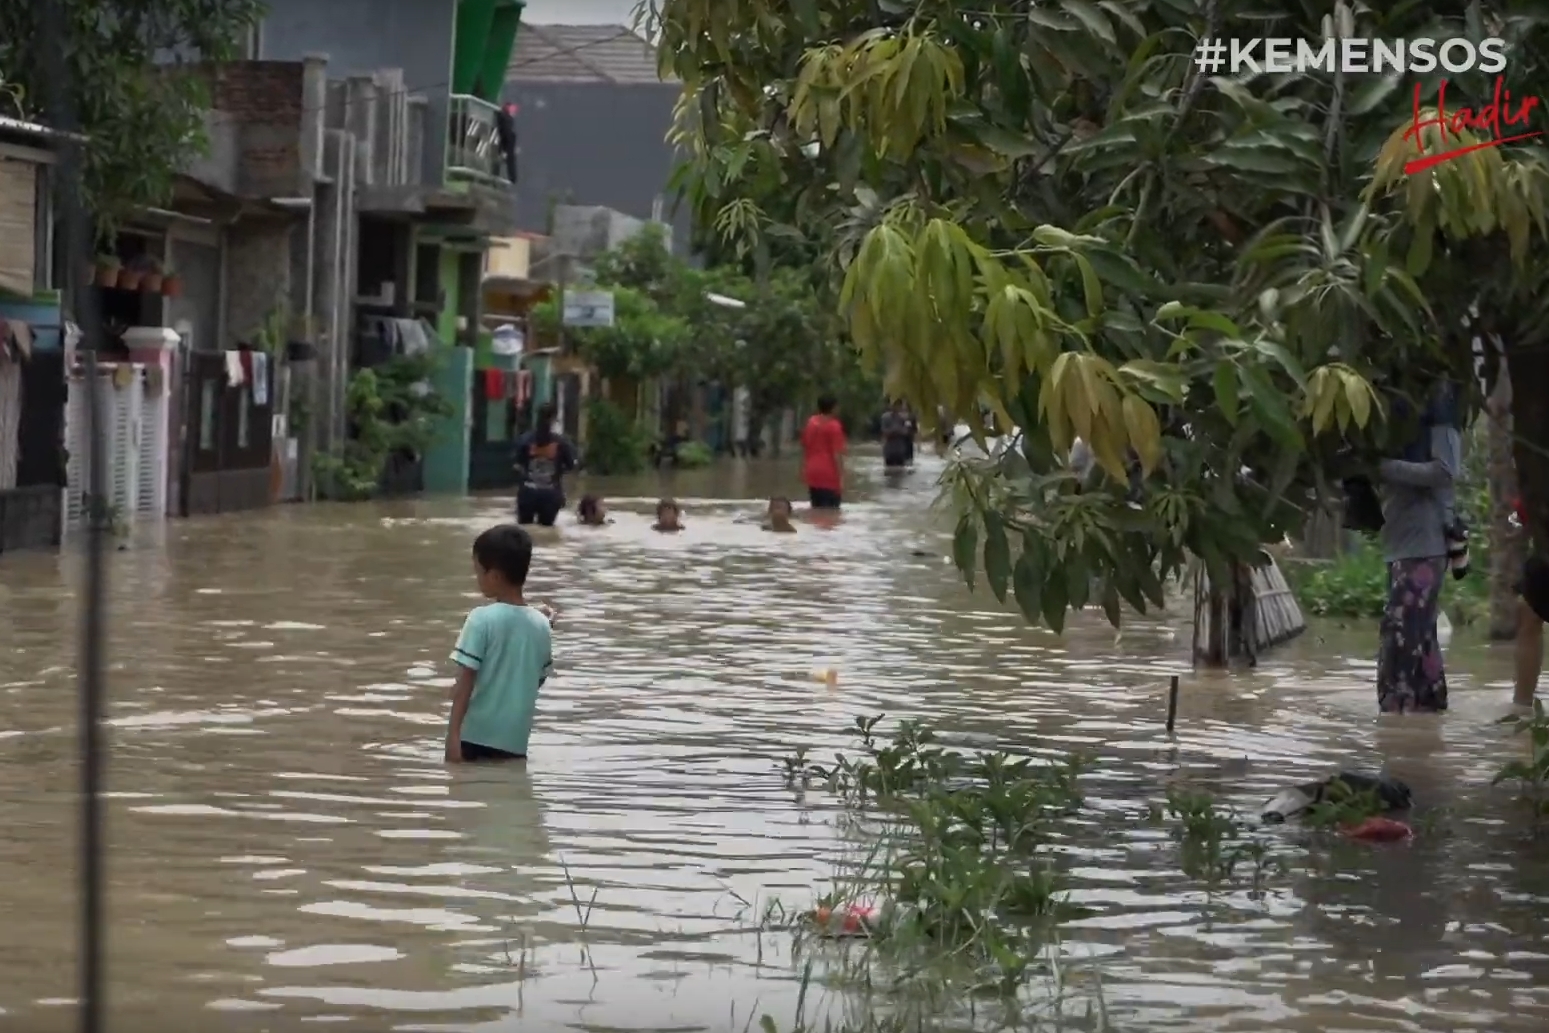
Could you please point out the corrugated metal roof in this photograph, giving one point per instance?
(16, 125)
(582, 53)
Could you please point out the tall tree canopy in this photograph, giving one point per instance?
(673, 320)
(1219, 283)
(143, 119)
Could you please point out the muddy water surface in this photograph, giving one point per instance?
(287, 847)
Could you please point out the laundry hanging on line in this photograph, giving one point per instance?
(15, 339)
(235, 376)
(260, 363)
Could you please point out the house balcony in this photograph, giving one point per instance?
(473, 143)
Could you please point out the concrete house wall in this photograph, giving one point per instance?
(592, 124)
(362, 36)
(595, 144)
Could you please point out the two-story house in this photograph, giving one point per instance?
(31, 355)
(427, 199)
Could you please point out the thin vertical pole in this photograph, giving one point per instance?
(51, 47)
(91, 690)
(1172, 704)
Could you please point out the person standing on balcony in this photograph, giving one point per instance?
(505, 131)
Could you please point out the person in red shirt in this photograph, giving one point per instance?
(823, 445)
(1532, 611)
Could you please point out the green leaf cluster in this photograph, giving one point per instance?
(1046, 214)
(671, 320)
(391, 410)
(135, 95)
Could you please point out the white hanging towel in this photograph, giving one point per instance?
(234, 375)
(260, 378)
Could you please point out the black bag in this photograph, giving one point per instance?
(1363, 510)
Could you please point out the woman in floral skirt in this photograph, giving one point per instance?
(1417, 511)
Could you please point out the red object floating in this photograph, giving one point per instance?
(1380, 830)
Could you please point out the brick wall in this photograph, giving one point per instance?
(259, 92)
(264, 100)
(258, 267)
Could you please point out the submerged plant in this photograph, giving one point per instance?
(1532, 774)
(957, 872)
(1343, 807)
(1215, 843)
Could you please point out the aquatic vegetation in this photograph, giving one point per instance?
(1532, 774)
(1344, 808)
(964, 893)
(1214, 843)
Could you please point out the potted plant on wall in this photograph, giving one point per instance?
(129, 277)
(107, 270)
(171, 283)
(151, 282)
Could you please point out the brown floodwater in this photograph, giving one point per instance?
(287, 847)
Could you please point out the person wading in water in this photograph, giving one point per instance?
(1417, 510)
(897, 438)
(542, 460)
(823, 444)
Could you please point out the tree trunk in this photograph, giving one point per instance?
(1324, 537)
(1530, 428)
(1506, 543)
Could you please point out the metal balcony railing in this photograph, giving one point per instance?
(473, 141)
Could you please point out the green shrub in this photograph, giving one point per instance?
(1356, 584)
(691, 455)
(615, 444)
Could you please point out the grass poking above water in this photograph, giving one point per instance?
(957, 871)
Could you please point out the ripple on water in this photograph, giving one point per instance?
(279, 804)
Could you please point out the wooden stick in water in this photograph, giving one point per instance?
(1172, 704)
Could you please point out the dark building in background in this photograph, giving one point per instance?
(592, 124)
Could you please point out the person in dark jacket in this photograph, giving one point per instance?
(543, 457)
(897, 437)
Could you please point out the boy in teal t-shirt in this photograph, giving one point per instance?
(504, 655)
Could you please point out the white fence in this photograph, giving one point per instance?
(134, 444)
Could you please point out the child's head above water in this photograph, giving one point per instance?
(778, 517)
(668, 518)
(590, 511)
(502, 557)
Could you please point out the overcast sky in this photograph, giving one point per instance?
(579, 12)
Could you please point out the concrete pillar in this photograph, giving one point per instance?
(330, 215)
(157, 346)
(415, 139)
(361, 120)
(314, 99)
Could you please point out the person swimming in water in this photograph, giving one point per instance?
(778, 516)
(590, 512)
(668, 517)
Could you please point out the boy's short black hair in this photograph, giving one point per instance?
(507, 549)
(587, 506)
(664, 505)
(827, 404)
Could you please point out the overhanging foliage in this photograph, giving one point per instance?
(1046, 210)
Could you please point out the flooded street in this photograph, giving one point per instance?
(288, 847)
